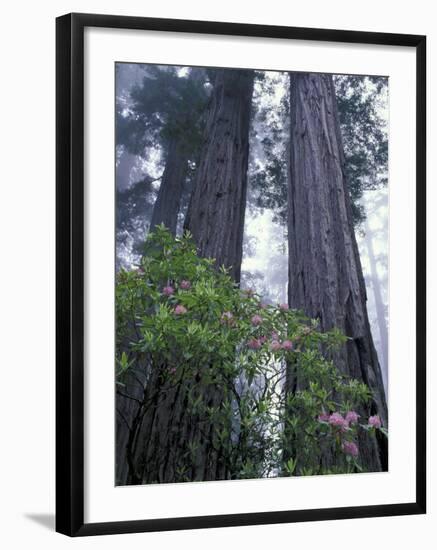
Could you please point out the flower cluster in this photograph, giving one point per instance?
(374, 421)
(256, 320)
(344, 423)
(350, 448)
(337, 420)
(180, 310)
(274, 344)
(254, 344)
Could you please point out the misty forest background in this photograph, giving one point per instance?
(245, 372)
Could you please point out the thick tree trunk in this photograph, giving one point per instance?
(167, 441)
(379, 304)
(325, 274)
(167, 204)
(128, 398)
(215, 215)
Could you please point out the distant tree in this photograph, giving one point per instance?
(364, 135)
(269, 136)
(379, 303)
(377, 272)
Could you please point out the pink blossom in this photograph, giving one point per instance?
(338, 421)
(287, 345)
(168, 290)
(256, 320)
(254, 344)
(284, 307)
(374, 421)
(180, 309)
(324, 417)
(185, 285)
(172, 371)
(350, 448)
(263, 339)
(275, 336)
(275, 345)
(262, 305)
(352, 417)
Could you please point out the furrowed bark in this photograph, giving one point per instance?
(325, 274)
(215, 215)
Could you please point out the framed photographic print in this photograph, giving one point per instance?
(240, 274)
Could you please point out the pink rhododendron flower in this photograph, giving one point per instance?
(180, 309)
(185, 285)
(168, 290)
(254, 343)
(338, 421)
(352, 417)
(324, 417)
(275, 345)
(287, 345)
(284, 307)
(256, 320)
(350, 448)
(275, 336)
(374, 421)
(263, 339)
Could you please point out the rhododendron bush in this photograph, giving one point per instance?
(184, 324)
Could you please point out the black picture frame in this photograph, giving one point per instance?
(70, 273)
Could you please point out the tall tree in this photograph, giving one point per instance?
(155, 447)
(325, 274)
(216, 212)
(360, 104)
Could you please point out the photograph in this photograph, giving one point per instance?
(251, 273)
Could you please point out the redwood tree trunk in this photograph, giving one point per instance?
(167, 204)
(166, 442)
(216, 212)
(325, 274)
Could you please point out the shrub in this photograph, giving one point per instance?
(283, 404)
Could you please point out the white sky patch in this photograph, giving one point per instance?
(270, 256)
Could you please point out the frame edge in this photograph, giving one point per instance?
(70, 264)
